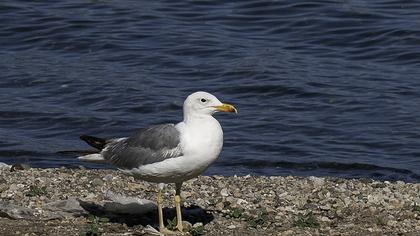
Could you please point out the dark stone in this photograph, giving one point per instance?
(19, 166)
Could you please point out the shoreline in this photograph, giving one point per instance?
(60, 201)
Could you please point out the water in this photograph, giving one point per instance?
(326, 88)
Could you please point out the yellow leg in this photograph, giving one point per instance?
(179, 225)
(160, 212)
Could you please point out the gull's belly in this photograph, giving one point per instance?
(173, 170)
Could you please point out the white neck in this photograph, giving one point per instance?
(193, 117)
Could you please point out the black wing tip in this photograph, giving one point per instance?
(98, 143)
(77, 152)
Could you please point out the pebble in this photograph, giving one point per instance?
(325, 219)
(288, 232)
(108, 178)
(231, 227)
(224, 192)
(18, 167)
(237, 193)
(198, 224)
(392, 223)
(187, 225)
(241, 202)
(200, 202)
(13, 187)
(325, 207)
(91, 196)
(97, 182)
(231, 199)
(220, 206)
(3, 187)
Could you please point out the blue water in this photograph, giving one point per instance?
(326, 88)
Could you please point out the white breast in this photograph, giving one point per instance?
(202, 138)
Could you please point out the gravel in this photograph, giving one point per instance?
(71, 202)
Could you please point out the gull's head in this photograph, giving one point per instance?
(202, 103)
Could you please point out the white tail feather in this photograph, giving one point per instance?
(97, 158)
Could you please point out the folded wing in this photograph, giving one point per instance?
(146, 146)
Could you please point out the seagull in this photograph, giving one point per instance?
(168, 153)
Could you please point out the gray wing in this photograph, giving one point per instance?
(146, 146)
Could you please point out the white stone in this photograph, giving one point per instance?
(392, 223)
(224, 192)
(325, 219)
(241, 202)
(108, 178)
(198, 224)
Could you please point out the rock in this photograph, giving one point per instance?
(375, 199)
(198, 224)
(97, 182)
(187, 225)
(91, 196)
(149, 230)
(16, 212)
(325, 219)
(399, 182)
(17, 167)
(237, 193)
(241, 202)
(230, 200)
(108, 178)
(185, 195)
(326, 207)
(13, 187)
(392, 223)
(231, 227)
(220, 184)
(288, 232)
(3, 187)
(224, 192)
(66, 208)
(203, 187)
(127, 205)
(217, 177)
(220, 206)
(200, 202)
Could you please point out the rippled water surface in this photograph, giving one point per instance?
(328, 88)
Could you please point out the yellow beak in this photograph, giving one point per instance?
(226, 108)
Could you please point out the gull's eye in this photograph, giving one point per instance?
(203, 100)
